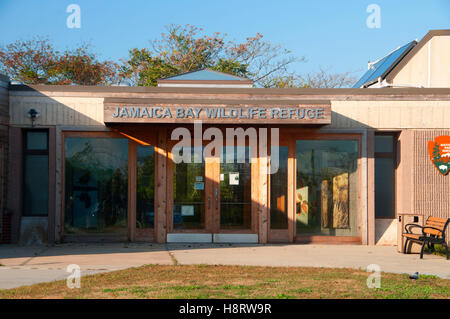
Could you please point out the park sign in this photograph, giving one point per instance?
(439, 152)
(218, 113)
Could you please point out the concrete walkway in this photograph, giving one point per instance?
(334, 256)
(29, 265)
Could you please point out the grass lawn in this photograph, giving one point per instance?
(202, 281)
(438, 250)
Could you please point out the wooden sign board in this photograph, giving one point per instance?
(217, 113)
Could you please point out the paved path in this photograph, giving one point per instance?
(334, 256)
(29, 265)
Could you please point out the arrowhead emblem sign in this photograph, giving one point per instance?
(439, 151)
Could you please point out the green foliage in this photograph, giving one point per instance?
(143, 69)
(186, 48)
(181, 49)
(284, 82)
(231, 67)
(436, 152)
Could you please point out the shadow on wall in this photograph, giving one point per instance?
(64, 110)
(386, 232)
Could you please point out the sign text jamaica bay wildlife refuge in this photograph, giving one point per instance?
(291, 114)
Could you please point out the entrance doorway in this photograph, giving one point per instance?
(212, 196)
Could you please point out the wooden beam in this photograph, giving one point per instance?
(292, 175)
(160, 186)
(255, 196)
(263, 190)
(371, 187)
(51, 184)
(169, 188)
(15, 179)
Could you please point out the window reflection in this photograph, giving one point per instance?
(35, 197)
(189, 193)
(145, 208)
(278, 191)
(326, 194)
(96, 185)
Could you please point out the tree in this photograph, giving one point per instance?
(283, 82)
(267, 63)
(143, 69)
(185, 48)
(318, 79)
(31, 61)
(80, 66)
(323, 78)
(36, 61)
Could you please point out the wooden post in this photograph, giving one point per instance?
(160, 186)
(169, 189)
(132, 171)
(255, 196)
(51, 185)
(59, 185)
(292, 175)
(262, 189)
(370, 187)
(15, 178)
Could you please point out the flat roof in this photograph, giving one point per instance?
(253, 91)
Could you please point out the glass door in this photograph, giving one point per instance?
(211, 196)
(235, 189)
(189, 194)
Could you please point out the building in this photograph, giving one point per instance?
(103, 163)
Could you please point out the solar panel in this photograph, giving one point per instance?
(385, 65)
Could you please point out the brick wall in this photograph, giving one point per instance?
(431, 190)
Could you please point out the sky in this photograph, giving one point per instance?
(330, 34)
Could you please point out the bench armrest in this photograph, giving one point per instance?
(412, 226)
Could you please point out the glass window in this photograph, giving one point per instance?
(384, 188)
(327, 187)
(145, 208)
(385, 176)
(36, 185)
(278, 191)
(96, 185)
(37, 140)
(384, 143)
(35, 201)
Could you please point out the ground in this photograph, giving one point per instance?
(220, 271)
(208, 281)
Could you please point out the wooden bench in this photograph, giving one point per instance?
(432, 233)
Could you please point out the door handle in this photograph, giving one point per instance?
(209, 202)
